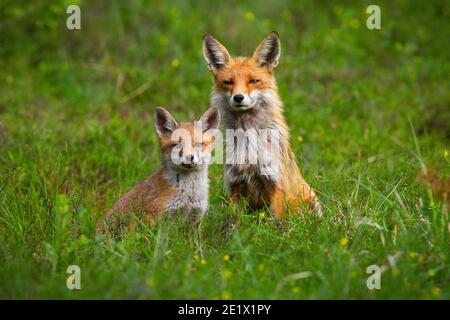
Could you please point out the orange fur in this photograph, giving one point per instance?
(147, 198)
(164, 188)
(241, 75)
(240, 71)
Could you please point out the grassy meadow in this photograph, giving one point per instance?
(370, 125)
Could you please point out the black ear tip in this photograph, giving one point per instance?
(274, 34)
(207, 37)
(159, 109)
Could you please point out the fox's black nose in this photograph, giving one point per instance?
(238, 97)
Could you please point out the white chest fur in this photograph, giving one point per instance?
(260, 119)
(191, 192)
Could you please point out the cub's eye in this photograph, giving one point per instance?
(228, 82)
(253, 81)
(173, 145)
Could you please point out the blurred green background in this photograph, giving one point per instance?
(369, 118)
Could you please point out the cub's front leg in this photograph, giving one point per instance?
(198, 211)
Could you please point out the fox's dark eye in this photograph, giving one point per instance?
(253, 81)
(173, 145)
(228, 82)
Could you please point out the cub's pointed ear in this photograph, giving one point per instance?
(165, 123)
(268, 52)
(216, 55)
(210, 119)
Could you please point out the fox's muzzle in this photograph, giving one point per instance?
(242, 101)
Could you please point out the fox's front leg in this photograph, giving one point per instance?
(196, 214)
(235, 190)
(278, 203)
(235, 197)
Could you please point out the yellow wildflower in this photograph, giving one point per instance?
(343, 242)
(249, 15)
(175, 63)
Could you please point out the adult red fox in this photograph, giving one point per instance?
(182, 183)
(246, 94)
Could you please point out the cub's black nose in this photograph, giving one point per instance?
(238, 97)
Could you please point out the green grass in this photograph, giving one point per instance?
(76, 132)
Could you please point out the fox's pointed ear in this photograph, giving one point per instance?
(165, 123)
(216, 55)
(268, 52)
(210, 119)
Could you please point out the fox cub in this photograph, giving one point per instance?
(246, 94)
(182, 183)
